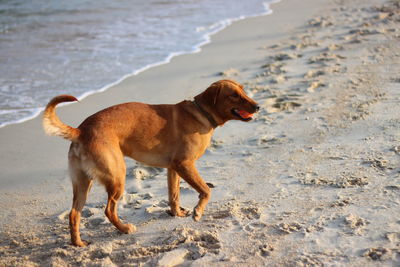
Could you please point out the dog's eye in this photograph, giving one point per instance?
(235, 95)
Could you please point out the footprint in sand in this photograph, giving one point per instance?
(273, 69)
(306, 260)
(95, 222)
(215, 145)
(320, 22)
(355, 224)
(197, 242)
(378, 254)
(378, 163)
(240, 211)
(266, 141)
(324, 58)
(251, 212)
(305, 43)
(350, 180)
(101, 251)
(246, 215)
(278, 104)
(158, 210)
(314, 73)
(315, 85)
(341, 202)
(285, 56)
(131, 200)
(288, 228)
(333, 47)
(278, 79)
(89, 212)
(255, 226)
(266, 250)
(142, 172)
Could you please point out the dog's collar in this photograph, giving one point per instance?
(206, 114)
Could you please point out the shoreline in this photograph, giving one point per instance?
(194, 50)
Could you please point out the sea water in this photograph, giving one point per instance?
(79, 47)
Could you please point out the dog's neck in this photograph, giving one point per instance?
(206, 114)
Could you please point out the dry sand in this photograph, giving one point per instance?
(313, 181)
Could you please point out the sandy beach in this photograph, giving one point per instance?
(313, 180)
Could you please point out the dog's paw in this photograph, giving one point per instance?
(128, 228)
(181, 212)
(197, 214)
(81, 243)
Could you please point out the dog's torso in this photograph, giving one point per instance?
(157, 135)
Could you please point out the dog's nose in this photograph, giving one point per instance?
(257, 108)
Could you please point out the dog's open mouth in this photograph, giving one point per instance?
(244, 115)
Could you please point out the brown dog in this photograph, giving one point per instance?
(167, 136)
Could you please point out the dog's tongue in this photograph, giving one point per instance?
(244, 114)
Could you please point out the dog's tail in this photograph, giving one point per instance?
(52, 124)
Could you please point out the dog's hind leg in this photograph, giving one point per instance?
(174, 194)
(115, 184)
(81, 185)
(115, 189)
(108, 167)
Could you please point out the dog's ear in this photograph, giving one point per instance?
(212, 93)
(216, 95)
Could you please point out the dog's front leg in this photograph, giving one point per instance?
(174, 194)
(188, 171)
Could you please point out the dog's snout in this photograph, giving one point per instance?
(257, 107)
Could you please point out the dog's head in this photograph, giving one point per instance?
(226, 100)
